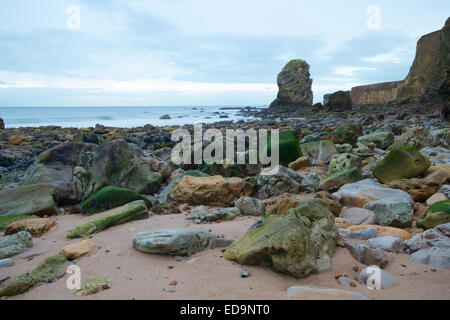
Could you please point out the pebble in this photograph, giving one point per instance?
(173, 283)
(178, 258)
(32, 254)
(245, 273)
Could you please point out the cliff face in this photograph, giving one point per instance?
(378, 93)
(294, 84)
(424, 80)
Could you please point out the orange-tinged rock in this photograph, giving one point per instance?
(36, 227)
(383, 231)
(78, 249)
(16, 139)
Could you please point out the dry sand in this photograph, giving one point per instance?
(137, 275)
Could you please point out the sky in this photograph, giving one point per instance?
(201, 52)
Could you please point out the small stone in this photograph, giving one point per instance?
(6, 262)
(436, 198)
(245, 273)
(173, 283)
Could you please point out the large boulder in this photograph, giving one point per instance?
(178, 241)
(294, 85)
(339, 101)
(278, 180)
(381, 139)
(392, 207)
(298, 243)
(438, 213)
(215, 190)
(78, 170)
(402, 162)
(38, 199)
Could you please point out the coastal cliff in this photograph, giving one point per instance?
(424, 81)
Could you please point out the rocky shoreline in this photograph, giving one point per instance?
(359, 189)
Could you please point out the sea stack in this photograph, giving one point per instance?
(294, 84)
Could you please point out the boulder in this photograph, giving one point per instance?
(250, 206)
(225, 214)
(302, 162)
(402, 162)
(8, 219)
(326, 151)
(392, 212)
(359, 216)
(76, 250)
(381, 139)
(36, 200)
(78, 170)
(15, 244)
(108, 198)
(214, 191)
(415, 135)
(339, 101)
(336, 180)
(297, 243)
(282, 206)
(278, 180)
(437, 214)
(294, 84)
(343, 162)
(419, 189)
(36, 227)
(437, 197)
(133, 211)
(435, 257)
(288, 147)
(327, 200)
(178, 241)
(365, 191)
(346, 135)
(367, 255)
(386, 243)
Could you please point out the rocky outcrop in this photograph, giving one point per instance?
(427, 80)
(338, 102)
(294, 84)
(2, 124)
(78, 170)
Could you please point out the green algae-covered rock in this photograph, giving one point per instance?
(438, 213)
(92, 286)
(289, 148)
(49, 269)
(88, 137)
(108, 198)
(37, 199)
(402, 162)
(338, 179)
(343, 162)
(297, 243)
(346, 134)
(381, 139)
(6, 220)
(133, 211)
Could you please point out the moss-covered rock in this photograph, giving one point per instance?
(92, 286)
(134, 211)
(49, 269)
(297, 243)
(88, 137)
(282, 206)
(288, 147)
(381, 139)
(438, 213)
(402, 162)
(343, 162)
(346, 134)
(337, 180)
(108, 198)
(8, 219)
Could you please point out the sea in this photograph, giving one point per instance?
(124, 117)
